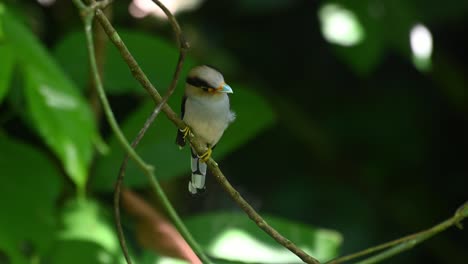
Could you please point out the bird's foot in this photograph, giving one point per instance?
(186, 131)
(206, 156)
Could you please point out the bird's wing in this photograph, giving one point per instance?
(180, 135)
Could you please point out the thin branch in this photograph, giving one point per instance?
(140, 76)
(100, 46)
(401, 244)
(88, 16)
(99, 4)
(105, 103)
(405, 243)
(175, 25)
(156, 188)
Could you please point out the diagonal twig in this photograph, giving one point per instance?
(140, 76)
(183, 47)
(119, 183)
(88, 15)
(405, 243)
(398, 245)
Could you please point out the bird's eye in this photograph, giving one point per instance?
(207, 89)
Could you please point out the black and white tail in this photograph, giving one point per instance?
(197, 182)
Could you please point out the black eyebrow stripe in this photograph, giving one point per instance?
(197, 82)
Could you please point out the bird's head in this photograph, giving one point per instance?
(206, 81)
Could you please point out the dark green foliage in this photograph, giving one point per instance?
(30, 187)
(350, 138)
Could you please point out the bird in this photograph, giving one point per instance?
(206, 111)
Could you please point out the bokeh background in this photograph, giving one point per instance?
(351, 128)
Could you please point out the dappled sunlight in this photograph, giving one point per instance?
(236, 244)
(72, 160)
(421, 46)
(104, 257)
(350, 131)
(143, 8)
(57, 99)
(167, 260)
(325, 242)
(340, 26)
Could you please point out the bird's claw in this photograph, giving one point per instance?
(186, 131)
(206, 156)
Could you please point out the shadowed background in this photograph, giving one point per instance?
(351, 117)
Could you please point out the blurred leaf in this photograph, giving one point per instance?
(220, 233)
(87, 236)
(29, 189)
(151, 258)
(80, 252)
(159, 148)
(83, 220)
(6, 67)
(2, 11)
(58, 112)
(155, 56)
(70, 50)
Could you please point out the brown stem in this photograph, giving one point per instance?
(140, 76)
(141, 133)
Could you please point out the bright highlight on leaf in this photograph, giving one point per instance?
(340, 26)
(83, 220)
(142, 8)
(167, 260)
(57, 99)
(248, 248)
(421, 46)
(234, 237)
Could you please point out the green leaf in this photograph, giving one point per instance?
(59, 113)
(220, 233)
(155, 56)
(149, 257)
(84, 220)
(87, 236)
(29, 189)
(2, 11)
(79, 252)
(158, 146)
(6, 67)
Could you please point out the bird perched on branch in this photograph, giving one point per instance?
(206, 111)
